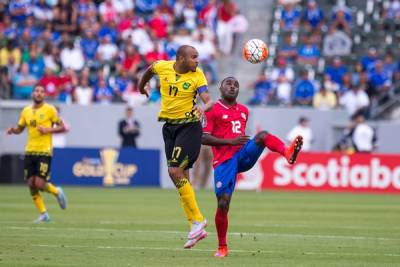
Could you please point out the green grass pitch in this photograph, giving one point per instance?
(146, 227)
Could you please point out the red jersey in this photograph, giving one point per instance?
(225, 122)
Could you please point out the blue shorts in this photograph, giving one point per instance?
(243, 160)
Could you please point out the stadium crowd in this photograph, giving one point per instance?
(320, 60)
(93, 51)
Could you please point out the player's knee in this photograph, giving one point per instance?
(259, 138)
(31, 182)
(175, 173)
(223, 204)
(40, 183)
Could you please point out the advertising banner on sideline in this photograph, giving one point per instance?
(377, 173)
(106, 167)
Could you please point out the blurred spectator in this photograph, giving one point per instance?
(83, 94)
(336, 43)
(290, 17)
(134, 98)
(183, 37)
(341, 17)
(145, 7)
(379, 80)
(313, 16)
(363, 136)
(337, 70)
(11, 50)
(107, 52)
(67, 83)
(42, 11)
(263, 91)
(208, 14)
(129, 129)
(207, 57)
(20, 10)
(108, 11)
(303, 129)
(139, 37)
(288, 50)
(389, 66)
(36, 63)
(5, 89)
(72, 57)
(189, 15)
(308, 53)
(324, 99)
(357, 73)
(50, 83)
(303, 90)
(155, 54)
(121, 84)
(226, 11)
(354, 101)
(283, 76)
(391, 11)
(368, 61)
(23, 83)
(65, 16)
(158, 25)
(103, 93)
(89, 45)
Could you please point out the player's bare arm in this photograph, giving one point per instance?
(144, 87)
(210, 140)
(60, 128)
(208, 104)
(15, 130)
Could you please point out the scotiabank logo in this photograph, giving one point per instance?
(335, 172)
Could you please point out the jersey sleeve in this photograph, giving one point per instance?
(158, 65)
(208, 124)
(202, 84)
(22, 121)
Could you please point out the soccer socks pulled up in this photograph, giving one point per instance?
(221, 223)
(188, 199)
(39, 203)
(274, 144)
(51, 189)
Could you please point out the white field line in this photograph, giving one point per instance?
(210, 250)
(287, 235)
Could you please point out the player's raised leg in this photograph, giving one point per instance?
(275, 144)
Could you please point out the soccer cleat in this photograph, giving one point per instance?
(222, 252)
(62, 200)
(191, 242)
(293, 150)
(197, 228)
(43, 217)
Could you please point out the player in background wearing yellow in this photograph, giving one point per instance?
(180, 82)
(40, 118)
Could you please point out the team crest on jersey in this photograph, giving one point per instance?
(243, 116)
(186, 85)
(218, 185)
(224, 116)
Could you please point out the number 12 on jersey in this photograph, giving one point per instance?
(236, 127)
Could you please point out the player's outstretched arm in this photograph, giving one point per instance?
(143, 82)
(210, 140)
(60, 128)
(15, 130)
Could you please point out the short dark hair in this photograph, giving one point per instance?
(183, 50)
(226, 78)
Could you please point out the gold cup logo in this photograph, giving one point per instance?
(108, 157)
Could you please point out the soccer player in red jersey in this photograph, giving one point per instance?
(234, 152)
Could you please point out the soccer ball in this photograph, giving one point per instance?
(255, 51)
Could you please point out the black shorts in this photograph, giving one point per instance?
(37, 165)
(182, 143)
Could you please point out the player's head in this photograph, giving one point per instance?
(129, 112)
(38, 94)
(229, 88)
(187, 57)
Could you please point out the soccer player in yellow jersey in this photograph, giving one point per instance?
(40, 118)
(181, 82)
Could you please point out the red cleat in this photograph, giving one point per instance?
(222, 252)
(293, 150)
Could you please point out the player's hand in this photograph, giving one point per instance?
(145, 90)
(198, 112)
(240, 140)
(9, 131)
(43, 130)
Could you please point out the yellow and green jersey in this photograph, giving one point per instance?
(45, 116)
(178, 92)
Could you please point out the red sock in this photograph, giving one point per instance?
(274, 144)
(221, 223)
